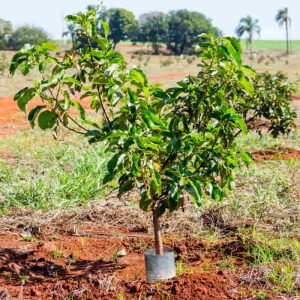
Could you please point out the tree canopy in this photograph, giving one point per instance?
(153, 28)
(123, 24)
(27, 35)
(184, 30)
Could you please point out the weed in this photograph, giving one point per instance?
(260, 59)
(191, 59)
(146, 63)
(114, 257)
(164, 295)
(167, 62)
(56, 254)
(24, 279)
(121, 296)
(226, 264)
(83, 241)
(29, 239)
(180, 269)
(206, 265)
(140, 58)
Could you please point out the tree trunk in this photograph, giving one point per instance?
(155, 48)
(159, 250)
(250, 45)
(287, 38)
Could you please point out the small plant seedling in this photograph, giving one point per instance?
(121, 295)
(180, 268)
(24, 279)
(83, 241)
(114, 258)
(56, 254)
(29, 239)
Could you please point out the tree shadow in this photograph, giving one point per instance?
(23, 267)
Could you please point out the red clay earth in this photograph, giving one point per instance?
(87, 267)
(12, 119)
(276, 153)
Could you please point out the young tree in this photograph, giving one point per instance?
(153, 28)
(123, 24)
(5, 30)
(185, 28)
(165, 143)
(27, 35)
(250, 27)
(283, 18)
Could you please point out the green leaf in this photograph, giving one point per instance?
(24, 96)
(80, 109)
(246, 157)
(146, 202)
(195, 191)
(247, 85)
(72, 80)
(34, 113)
(47, 119)
(234, 54)
(105, 27)
(150, 120)
(50, 46)
(126, 184)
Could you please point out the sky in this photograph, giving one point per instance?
(225, 14)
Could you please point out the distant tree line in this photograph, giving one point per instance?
(178, 30)
(14, 40)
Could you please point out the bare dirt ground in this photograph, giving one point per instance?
(90, 260)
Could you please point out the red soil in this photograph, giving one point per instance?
(86, 267)
(12, 119)
(167, 76)
(276, 153)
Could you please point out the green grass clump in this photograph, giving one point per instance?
(48, 174)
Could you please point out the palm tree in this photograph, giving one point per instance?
(283, 18)
(250, 27)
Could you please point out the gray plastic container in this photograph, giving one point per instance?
(160, 267)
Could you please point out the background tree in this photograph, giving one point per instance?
(123, 24)
(153, 28)
(283, 18)
(27, 35)
(5, 30)
(250, 27)
(185, 28)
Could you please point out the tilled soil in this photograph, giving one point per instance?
(109, 265)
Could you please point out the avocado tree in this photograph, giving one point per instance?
(165, 143)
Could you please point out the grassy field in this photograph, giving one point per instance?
(273, 45)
